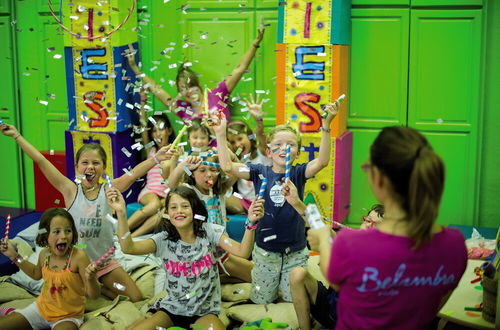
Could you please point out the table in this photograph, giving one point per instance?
(465, 295)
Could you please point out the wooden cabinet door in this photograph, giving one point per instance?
(379, 67)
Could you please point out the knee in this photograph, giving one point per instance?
(297, 276)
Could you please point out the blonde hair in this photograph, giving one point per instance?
(283, 128)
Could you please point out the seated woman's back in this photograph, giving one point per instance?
(386, 284)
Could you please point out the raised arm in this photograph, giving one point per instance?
(87, 271)
(123, 182)
(317, 164)
(236, 170)
(149, 83)
(117, 203)
(64, 185)
(190, 163)
(244, 62)
(33, 271)
(255, 110)
(244, 250)
(143, 121)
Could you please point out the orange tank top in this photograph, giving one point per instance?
(63, 293)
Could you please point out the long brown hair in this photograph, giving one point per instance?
(197, 207)
(44, 225)
(417, 176)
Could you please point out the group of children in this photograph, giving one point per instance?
(381, 277)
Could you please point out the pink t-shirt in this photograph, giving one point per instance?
(217, 98)
(384, 284)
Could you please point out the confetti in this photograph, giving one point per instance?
(228, 242)
(188, 172)
(269, 238)
(127, 234)
(243, 169)
(439, 121)
(237, 195)
(57, 56)
(57, 202)
(81, 246)
(238, 152)
(119, 286)
(238, 291)
(199, 217)
(127, 171)
(126, 152)
(191, 294)
(42, 231)
(110, 218)
(43, 102)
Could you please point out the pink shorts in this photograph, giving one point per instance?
(112, 265)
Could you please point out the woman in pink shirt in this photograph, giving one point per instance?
(398, 274)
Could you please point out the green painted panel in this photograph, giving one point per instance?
(380, 2)
(4, 6)
(445, 70)
(10, 176)
(379, 67)
(362, 197)
(38, 67)
(458, 153)
(265, 65)
(228, 38)
(202, 5)
(272, 4)
(446, 2)
(489, 192)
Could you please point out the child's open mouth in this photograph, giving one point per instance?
(61, 247)
(90, 177)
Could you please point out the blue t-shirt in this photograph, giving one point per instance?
(280, 218)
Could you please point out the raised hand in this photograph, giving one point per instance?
(129, 53)
(115, 199)
(331, 109)
(9, 130)
(90, 271)
(165, 153)
(256, 210)
(254, 107)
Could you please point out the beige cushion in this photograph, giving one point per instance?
(9, 292)
(144, 277)
(19, 303)
(281, 312)
(236, 292)
(121, 313)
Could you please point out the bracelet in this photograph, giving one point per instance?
(18, 135)
(258, 46)
(327, 130)
(156, 160)
(18, 258)
(249, 225)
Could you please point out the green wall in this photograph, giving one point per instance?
(489, 191)
(35, 32)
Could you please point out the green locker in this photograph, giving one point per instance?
(41, 79)
(4, 6)
(379, 67)
(265, 65)
(361, 195)
(381, 2)
(444, 70)
(211, 4)
(10, 176)
(457, 152)
(446, 2)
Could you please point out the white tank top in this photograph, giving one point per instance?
(94, 229)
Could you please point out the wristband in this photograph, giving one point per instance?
(250, 225)
(156, 160)
(18, 135)
(327, 130)
(18, 258)
(258, 46)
